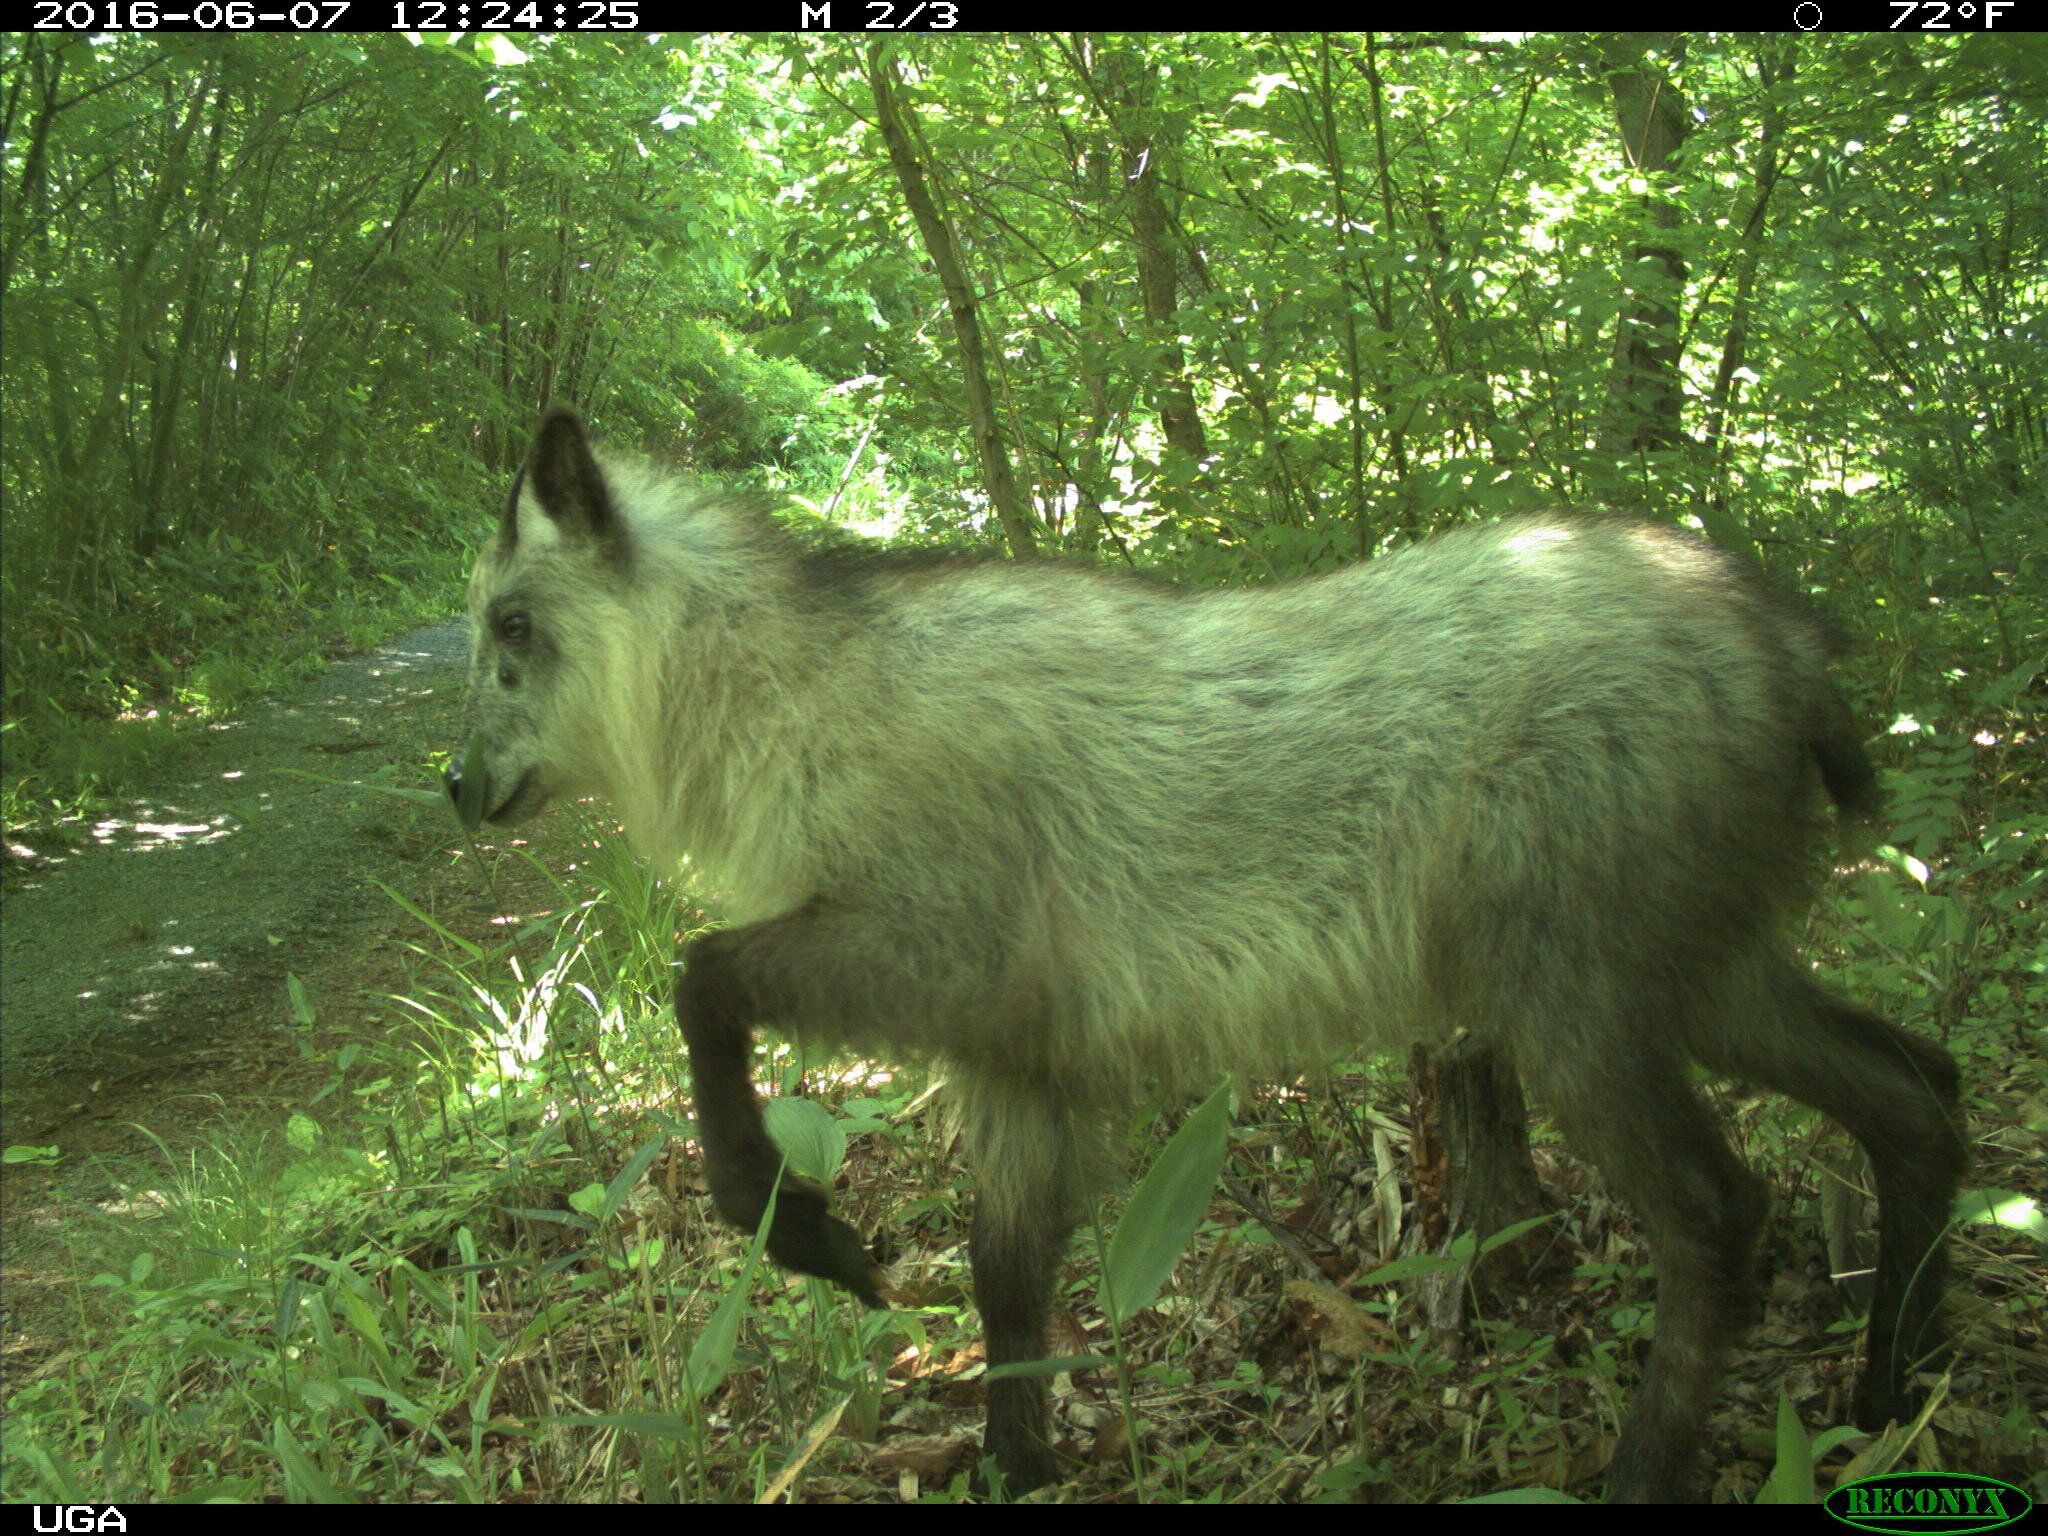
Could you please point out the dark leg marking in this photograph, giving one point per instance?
(1633, 1114)
(1037, 1151)
(718, 1001)
(1897, 1095)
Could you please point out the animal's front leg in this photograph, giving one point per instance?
(718, 1002)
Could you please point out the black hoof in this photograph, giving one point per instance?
(807, 1238)
(989, 1481)
(1878, 1404)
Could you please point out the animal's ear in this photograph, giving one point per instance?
(566, 481)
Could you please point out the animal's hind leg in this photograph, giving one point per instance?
(1037, 1153)
(724, 987)
(1896, 1094)
(1624, 1103)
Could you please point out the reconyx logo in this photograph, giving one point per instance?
(1949, 1502)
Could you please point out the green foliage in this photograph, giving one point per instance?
(1165, 1209)
(342, 1305)
(810, 1136)
(279, 319)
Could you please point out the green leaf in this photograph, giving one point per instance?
(1508, 1234)
(474, 950)
(287, 1314)
(1791, 1480)
(1051, 1367)
(469, 795)
(304, 1482)
(711, 1356)
(59, 1479)
(560, 1218)
(2003, 1208)
(809, 1135)
(622, 1183)
(1407, 1268)
(666, 1426)
(434, 799)
(1165, 1209)
(241, 1490)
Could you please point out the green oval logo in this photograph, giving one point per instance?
(1913, 1502)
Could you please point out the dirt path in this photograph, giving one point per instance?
(142, 947)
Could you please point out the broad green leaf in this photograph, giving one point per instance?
(809, 1135)
(2003, 1208)
(1791, 1480)
(1165, 1209)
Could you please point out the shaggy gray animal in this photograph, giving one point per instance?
(1554, 782)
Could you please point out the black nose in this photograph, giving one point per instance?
(452, 777)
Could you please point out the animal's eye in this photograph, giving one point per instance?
(514, 626)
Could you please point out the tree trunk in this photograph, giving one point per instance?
(169, 397)
(1770, 165)
(997, 471)
(1645, 397)
(1129, 85)
(138, 308)
(1473, 1169)
(26, 208)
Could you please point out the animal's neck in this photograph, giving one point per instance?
(718, 776)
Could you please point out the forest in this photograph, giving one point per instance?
(349, 1157)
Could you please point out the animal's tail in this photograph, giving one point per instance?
(1845, 768)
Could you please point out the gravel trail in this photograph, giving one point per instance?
(134, 941)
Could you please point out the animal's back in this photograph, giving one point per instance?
(1225, 827)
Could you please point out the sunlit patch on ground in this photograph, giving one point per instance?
(142, 836)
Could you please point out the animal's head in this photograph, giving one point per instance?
(548, 613)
